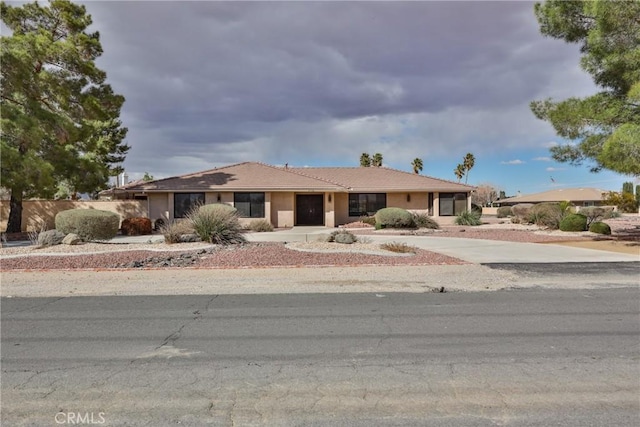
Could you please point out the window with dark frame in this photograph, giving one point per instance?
(452, 204)
(249, 205)
(184, 202)
(366, 204)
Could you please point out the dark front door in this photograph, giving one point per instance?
(309, 209)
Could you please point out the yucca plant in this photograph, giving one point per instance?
(217, 224)
(471, 218)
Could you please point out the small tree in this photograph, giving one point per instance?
(147, 177)
(627, 187)
(484, 195)
(625, 202)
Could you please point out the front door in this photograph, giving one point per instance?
(309, 209)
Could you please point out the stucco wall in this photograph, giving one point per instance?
(35, 213)
(282, 209)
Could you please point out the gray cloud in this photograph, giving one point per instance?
(219, 82)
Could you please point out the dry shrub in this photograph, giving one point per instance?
(401, 248)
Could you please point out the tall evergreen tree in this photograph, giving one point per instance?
(60, 120)
(606, 126)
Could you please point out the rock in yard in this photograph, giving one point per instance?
(50, 238)
(71, 239)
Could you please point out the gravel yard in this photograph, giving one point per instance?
(256, 255)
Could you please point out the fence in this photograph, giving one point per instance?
(39, 213)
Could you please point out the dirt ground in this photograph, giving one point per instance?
(621, 246)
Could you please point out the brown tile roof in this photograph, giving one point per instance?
(372, 179)
(262, 177)
(560, 195)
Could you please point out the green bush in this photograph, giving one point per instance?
(394, 218)
(89, 224)
(504, 211)
(137, 226)
(600, 228)
(546, 215)
(468, 218)
(371, 220)
(422, 220)
(216, 223)
(342, 236)
(476, 208)
(260, 226)
(574, 222)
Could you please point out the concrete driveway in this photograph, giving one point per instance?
(472, 250)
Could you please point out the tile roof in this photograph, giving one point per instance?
(560, 195)
(372, 179)
(255, 176)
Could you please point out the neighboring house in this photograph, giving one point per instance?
(287, 196)
(580, 197)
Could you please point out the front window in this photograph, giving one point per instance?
(184, 202)
(452, 204)
(249, 205)
(366, 204)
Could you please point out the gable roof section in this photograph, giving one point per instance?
(254, 176)
(559, 195)
(377, 179)
(248, 176)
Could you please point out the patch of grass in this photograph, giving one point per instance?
(401, 248)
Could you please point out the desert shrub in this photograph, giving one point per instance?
(504, 211)
(89, 224)
(217, 207)
(516, 220)
(260, 225)
(422, 220)
(522, 210)
(371, 220)
(546, 215)
(574, 222)
(594, 213)
(468, 218)
(611, 213)
(476, 208)
(401, 248)
(342, 236)
(216, 223)
(394, 218)
(50, 238)
(137, 226)
(174, 231)
(600, 228)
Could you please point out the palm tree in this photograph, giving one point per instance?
(365, 160)
(376, 160)
(416, 165)
(459, 171)
(468, 162)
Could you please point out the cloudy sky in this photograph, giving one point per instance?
(318, 83)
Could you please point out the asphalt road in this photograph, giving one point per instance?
(521, 358)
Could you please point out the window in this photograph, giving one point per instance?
(184, 202)
(363, 204)
(249, 205)
(452, 204)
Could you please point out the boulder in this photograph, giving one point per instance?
(71, 239)
(50, 238)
